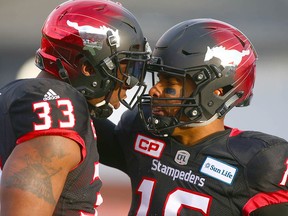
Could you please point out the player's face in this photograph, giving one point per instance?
(170, 87)
(114, 99)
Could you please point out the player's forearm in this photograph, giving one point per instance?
(24, 203)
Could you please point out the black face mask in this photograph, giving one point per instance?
(162, 126)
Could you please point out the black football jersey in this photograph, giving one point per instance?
(37, 107)
(229, 173)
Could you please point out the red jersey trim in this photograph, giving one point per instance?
(234, 131)
(264, 199)
(56, 132)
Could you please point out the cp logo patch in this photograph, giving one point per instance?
(149, 146)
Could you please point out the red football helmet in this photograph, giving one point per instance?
(215, 55)
(100, 32)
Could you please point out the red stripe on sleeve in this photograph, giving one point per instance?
(264, 199)
(73, 135)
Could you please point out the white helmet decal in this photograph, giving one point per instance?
(94, 37)
(227, 57)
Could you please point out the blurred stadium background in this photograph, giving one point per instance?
(264, 22)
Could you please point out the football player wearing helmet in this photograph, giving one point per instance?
(184, 160)
(92, 52)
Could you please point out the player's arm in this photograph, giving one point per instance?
(267, 173)
(34, 175)
(109, 148)
(275, 210)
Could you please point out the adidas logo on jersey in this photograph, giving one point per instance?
(50, 95)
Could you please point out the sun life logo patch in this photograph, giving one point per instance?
(219, 170)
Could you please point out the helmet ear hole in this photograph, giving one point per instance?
(223, 90)
(86, 67)
(219, 92)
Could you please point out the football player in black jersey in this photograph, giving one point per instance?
(91, 50)
(184, 160)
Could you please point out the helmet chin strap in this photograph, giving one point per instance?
(104, 109)
(204, 123)
(62, 71)
(221, 112)
(101, 110)
(168, 124)
(163, 122)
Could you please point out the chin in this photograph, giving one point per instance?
(116, 106)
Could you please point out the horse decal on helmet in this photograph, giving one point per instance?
(227, 57)
(94, 37)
